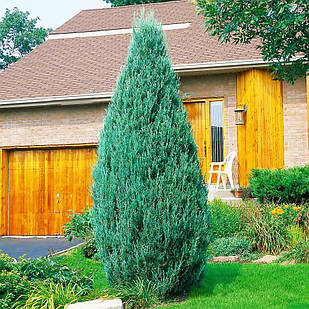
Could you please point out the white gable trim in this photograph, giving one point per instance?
(110, 32)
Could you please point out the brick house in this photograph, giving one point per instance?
(53, 102)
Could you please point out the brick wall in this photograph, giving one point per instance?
(81, 124)
(51, 125)
(295, 123)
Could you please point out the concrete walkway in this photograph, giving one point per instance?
(35, 247)
(222, 194)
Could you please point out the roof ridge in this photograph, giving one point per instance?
(138, 5)
(109, 29)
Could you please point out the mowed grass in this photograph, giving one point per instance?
(75, 260)
(251, 286)
(226, 285)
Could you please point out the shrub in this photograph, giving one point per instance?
(12, 285)
(300, 253)
(281, 185)
(246, 193)
(273, 228)
(302, 217)
(226, 219)
(267, 231)
(231, 246)
(17, 278)
(6, 262)
(89, 248)
(47, 268)
(48, 294)
(80, 227)
(150, 212)
(295, 234)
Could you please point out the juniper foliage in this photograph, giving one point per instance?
(150, 216)
(115, 3)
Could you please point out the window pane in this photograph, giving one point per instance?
(216, 121)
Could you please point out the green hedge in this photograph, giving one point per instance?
(281, 185)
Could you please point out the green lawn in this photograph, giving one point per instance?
(75, 260)
(228, 285)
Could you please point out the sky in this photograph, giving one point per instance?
(52, 13)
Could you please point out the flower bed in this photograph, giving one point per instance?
(270, 228)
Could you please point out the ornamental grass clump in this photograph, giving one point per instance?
(150, 214)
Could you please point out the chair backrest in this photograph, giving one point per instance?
(229, 161)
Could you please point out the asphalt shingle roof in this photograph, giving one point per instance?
(87, 65)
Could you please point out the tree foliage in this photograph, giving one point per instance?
(150, 215)
(281, 27)
(132, 2)
(18, 36)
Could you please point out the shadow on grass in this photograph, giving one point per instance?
(217, 275)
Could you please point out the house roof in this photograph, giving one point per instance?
(85, 55)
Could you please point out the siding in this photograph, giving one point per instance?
(260, 140)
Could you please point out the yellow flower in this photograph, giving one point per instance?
(273, 211)
(295, 208)
(276, 216)
(286, 206)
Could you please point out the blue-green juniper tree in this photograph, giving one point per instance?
(150, 213)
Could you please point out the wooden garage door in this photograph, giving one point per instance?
(44, 185)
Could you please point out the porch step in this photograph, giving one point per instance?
(222, 194)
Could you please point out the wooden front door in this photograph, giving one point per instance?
(198, 116)
(206, 118)
(44, 185)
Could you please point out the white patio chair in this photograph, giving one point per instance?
(227, 164)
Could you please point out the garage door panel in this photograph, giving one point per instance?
(44, 185)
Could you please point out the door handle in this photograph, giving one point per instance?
(205, 149)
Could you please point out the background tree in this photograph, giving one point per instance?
(19, 35)
(282, 28)
(150, 201)
(132, 2)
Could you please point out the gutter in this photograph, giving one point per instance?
(58, 100)
(223, 65)
(95, 98)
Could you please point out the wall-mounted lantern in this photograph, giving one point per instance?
(240, 112)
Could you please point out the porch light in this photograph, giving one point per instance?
(240, 112)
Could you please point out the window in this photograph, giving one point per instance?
(216, 122)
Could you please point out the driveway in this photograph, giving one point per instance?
(35, 247)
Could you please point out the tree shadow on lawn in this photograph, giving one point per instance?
(217, 275)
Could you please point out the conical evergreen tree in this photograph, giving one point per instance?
(150, 215)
